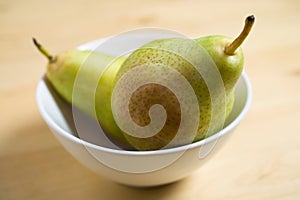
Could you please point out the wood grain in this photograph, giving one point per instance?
(260, 161)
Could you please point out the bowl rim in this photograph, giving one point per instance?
(57, 129)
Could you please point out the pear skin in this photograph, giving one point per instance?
(165, 53)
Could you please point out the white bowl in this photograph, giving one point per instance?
(135, 168)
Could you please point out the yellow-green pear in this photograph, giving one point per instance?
(85, 67)
(178, 54)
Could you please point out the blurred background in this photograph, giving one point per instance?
(260, 161)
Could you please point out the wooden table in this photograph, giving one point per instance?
(262, 158)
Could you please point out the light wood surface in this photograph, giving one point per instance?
(260, 161)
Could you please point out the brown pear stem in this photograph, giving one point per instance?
(43, 50)
(231, 48)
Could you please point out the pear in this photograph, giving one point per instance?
(81, 70)
(178, 54)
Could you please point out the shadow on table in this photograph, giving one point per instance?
(116, 191)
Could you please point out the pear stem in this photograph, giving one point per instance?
(43, 50)
(231, 48)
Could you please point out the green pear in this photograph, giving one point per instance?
(85, 67)
(228, 58)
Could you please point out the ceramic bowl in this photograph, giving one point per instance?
(135, 168)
